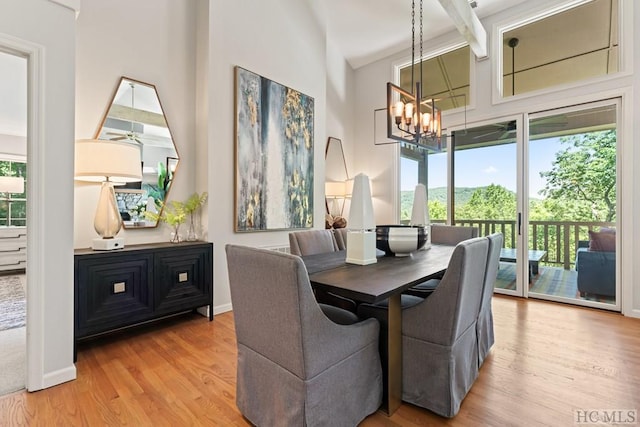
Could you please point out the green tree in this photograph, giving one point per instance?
(492, 202)
(583, 175)
(437, 210)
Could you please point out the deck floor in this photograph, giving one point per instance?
(554, 281)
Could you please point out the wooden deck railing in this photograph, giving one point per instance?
(558, 238)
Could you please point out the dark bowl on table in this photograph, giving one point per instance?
(401, 240)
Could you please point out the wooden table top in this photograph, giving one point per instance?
(375, 282)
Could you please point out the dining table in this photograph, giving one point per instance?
(375, 283)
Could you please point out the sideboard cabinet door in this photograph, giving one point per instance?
(182, 279)
(116, 290)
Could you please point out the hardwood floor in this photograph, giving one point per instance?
(549, 360)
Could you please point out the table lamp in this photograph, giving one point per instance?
(361, 236)
(335, 190)
(13, 185)
(420, 211)
(108, 162)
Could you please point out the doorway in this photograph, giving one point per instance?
(548, 182)
(572, 204)
(13, 214)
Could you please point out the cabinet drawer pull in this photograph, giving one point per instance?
(183, 277)
(119, 287)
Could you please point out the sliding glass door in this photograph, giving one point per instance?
(485, 188)
(572, 206)
(548, 182)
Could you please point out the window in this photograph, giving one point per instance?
(13, 206)
(420, 167)
(444, 77)
(564, 47)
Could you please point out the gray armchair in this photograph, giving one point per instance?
(311, 242)
(341, 238)
(442, 235)
(596, 271)
(484, 326)
(439, 337)
(295, 366)
(451, 234)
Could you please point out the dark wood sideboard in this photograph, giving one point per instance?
(138, 284)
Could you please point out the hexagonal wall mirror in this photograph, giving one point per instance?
(135, 115)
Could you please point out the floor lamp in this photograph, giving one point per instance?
(111, 163)
(11, 185)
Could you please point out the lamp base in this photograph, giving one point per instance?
(100, 244)
(361, 247)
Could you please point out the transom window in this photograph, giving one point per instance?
(560, 48)
(445, 78)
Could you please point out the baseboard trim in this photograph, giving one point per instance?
(219, 309)
(58, 377)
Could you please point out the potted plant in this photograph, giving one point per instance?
(173, 214)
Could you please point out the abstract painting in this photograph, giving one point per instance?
(274, 155)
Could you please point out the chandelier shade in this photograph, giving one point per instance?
(412, 119)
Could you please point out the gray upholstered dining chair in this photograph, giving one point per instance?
(341, 238)
(484, 324)
(311, 242)
(439, 341)
(295, 366)
(442, 235)
(451, 234)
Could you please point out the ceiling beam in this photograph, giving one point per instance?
(468, 25)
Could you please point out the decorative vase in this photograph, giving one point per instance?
(192, 234)
(175, 235)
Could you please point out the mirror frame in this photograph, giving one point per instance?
(169, 176)
(333, 142)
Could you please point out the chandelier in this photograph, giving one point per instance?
(410, 118)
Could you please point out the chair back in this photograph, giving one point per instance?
(311, 242)
(454, 305)
(491, 271)
(341, 238)
(484, 325)
(451, 234)
(272, 297)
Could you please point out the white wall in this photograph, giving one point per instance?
(340, 99)
(47, 31)
(280, 40)
(382, 162)
(153, 41)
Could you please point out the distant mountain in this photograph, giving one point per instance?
(462, 195)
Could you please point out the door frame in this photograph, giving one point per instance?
(617, 101)
(33, 53)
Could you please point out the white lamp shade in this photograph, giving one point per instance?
(334, 189)
(348, 187)
(97, 160)
(11, 184)
(420, 209)
(361, 212)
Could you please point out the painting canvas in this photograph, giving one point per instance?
(274, 155)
